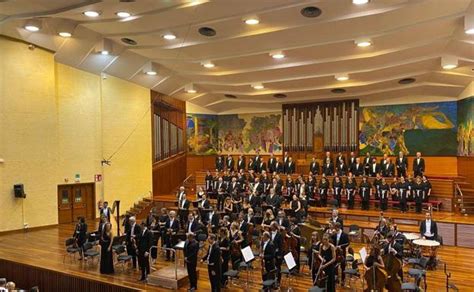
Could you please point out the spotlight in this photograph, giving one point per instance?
(65, 34)
(360, 2)
(150, 69)
(469, 24)
(104, 47)
(252, 21)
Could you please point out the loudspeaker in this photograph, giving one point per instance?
(19, 191)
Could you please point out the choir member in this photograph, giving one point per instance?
(180, 194)
(314, 166)
(286, 158)
(418, 194)
(352, 160)
(328, 167)
(252, 165)
(311, 186)
(340, 159)
(373, 168)
(241, 163)
(394, 190)
(426, 189)
(290, 167)
(383, 161)
(357, 168)
(145, 242)
(337, 188)
(384, 192)
(368, 164)
(365, 191)
(402, 188)
(219, 163)
(418, 165)
(350, 187)
(341, 169)
(131, 240)
(388, 169)
(402, 164)
(261, 166)
(278, 167)
(213, 261)
(183, 209)
(271, 163)
(377, 183)
(190, 251)
(428, 228)
(323, 191)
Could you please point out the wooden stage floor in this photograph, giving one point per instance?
(45, 248)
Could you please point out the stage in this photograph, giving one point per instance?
(43, 250)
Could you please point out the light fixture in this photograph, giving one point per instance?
(277, 55)
(189, 88)
(91, 13)
(208, 64)
(342, 77)
(449, 62)
(363, 42)
(360, 2)
(469, 23)
(258, 86)
(65, 34)
(65, 28)
(104, 47)
(33, 25)
(169, 36)
(150, 69)
(252, 20)
(123, 14)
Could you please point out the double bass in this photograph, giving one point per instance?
(319, 277)
(290, 243)
(392, 266)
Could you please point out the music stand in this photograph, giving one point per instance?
(248, 256)
(291, 264)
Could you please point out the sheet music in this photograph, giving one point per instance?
(247, 253)
(363, 254)
(290, 261)
(179, 245)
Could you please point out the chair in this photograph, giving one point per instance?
(118, 242)
(316, 289)
(410, 287)
(71, 248)
(354, 231)
(90, 251)
(271, 281)
(232, 275)
(122, 257)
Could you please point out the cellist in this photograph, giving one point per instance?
(375, 274)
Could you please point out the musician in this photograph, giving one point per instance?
(180, 194)
(373, 168)
(401, 164)
(336, 219)
(296, 207)
(384, 192)
(219, 163)
(374, 258)
(221, 195)
(250, 217)
(213, 260)
(224, 246)
(286, 158)
(278, 166)
(340, 239)
(350, 187)
(428, 228)
(290, 167)
(183, 209)
(229, 162)
(357, 168)
(277, 186)
(101, 228)
(244, 228)
(277, 241)
(368, 164)
(254, 200)
(295, 232)
(323, 191)
(236, 240)
(252, 165)
(290, 187)
(105, 211)
(426, 188)
(314, 166)
(209, 179)
(418, 193)
(337, 189)
(365, 191)
(258, 187)
(328, 252)
(131, 239)
(171, 227)
(388, 169)
(282, 220)
(161, 223)
(273, 201)
(80, 235)
(393, 246)
(268, 218)
(267, 254)
(382, 228)
(145, 242)
(228, 207)
(341, 169)
(192, 226)
(418, 165)
(234, 186)
(328, 167)
(314, 248)
(190, 251)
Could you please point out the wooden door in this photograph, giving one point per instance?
(65, 204)
(74, 201)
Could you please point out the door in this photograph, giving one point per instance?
(76, 201)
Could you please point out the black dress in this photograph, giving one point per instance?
(329, 270)
(106, 256)
(224, 243)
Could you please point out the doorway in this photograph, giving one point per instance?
(76, 200)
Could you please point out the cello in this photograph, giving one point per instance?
(392, 266)
(375, 276)
(319, 277)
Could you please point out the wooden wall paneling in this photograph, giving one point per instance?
(466, 168)
(169, 174)
(465, 235)
(447, 231)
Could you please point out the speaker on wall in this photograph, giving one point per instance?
(19, 191)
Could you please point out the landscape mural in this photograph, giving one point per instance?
(427, 127)
(465, 135)
(202, 134)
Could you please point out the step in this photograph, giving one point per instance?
(148, 199)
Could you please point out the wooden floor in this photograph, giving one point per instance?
(45, 248)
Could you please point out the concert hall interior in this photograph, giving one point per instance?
(237, 145)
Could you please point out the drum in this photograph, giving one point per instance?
(429, 248)
(411, 236)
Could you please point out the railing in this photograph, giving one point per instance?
(459, 197)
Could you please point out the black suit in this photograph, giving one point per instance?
(102, 213)
(343, 243)
(338, 219)
(328, 169)
(191, 250)
(278, 167)
(169, 237)
(433, 229)
(290, 167)
(261, 166)
(314, 167)
(213, 220)
(374, 168)
(219, 163)
(418, 167)
(192, 226)
(388, 170)
(283, 222)
(271, 164)
(357, 169)
(229, 163)
(145, 242)
(241, 164)
(278, 243)
(213, 257)
(402, 166)
(133, 233)
(183, 211)
(268, 258)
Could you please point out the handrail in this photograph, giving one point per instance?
(459, 195)
(173, 251)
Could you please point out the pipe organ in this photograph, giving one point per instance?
(321, 126)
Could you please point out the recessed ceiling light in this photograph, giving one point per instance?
(151, 73)
(342, 77)
(252, 21)
(33, 25)
(364, 42)
(338, 90)
(208, 64)
(258, 86)
(406, 80)
(123, 14)
(207, 31)
(360, 2)
(32, 28)
(150, 69)
(169, 36)
(449, 62)
(279, 95)
(189, 88)
(129, 41)
(65, 34)
(469, 31)
(104, 47)
(311, 12)
(277, 55)
(105, 53)
(91, 13)
(469, 23)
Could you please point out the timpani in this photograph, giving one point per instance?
(429, 247)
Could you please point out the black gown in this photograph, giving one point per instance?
(106, 256)
(329, 270)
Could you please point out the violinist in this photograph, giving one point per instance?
(314, 248)
(272, 201)
(267, 254)
(228, 206)
(340, 239)
(250, 217)
(224, 245)
(171, 227)
(328, 252)
(131, 239)
(243, 227)
(335, 218)
(267, 219)
(277, 240)
(236, 239)
(282, 220)
(295, 233)
(290, 188)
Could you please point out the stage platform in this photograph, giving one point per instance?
(38, 252)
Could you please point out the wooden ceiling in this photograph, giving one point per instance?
(409, 39)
